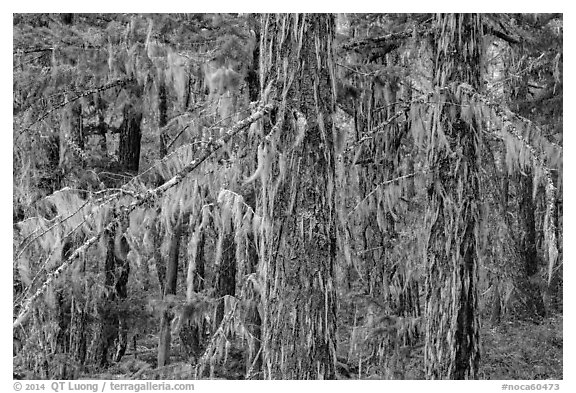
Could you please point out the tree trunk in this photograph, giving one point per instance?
(529, 303)
(113, 325)
(162, 116)
(169, 289)
(191, 333)
(252, 77)
(121, 289)
(108, 318)
(101, 127)
(226, 276)
(130, 135)
(299, 241)
(532, 302)
(157, 233)
(253, 320)
(71, 138)
(452, 323)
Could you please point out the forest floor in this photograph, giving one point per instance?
(510, 350)
(523, 350)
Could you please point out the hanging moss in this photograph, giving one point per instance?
(452, 318)
(298, 211)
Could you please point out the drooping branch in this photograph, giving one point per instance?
(379, 128)
(385, 183)
(145, 197)
(391, 41)
(509, 120)
(120, 82)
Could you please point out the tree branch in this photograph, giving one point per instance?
(384, 183)
(503, 36)
(31, 50)
(389, 39)
(508, 118)
(142, 198)
(120, 82)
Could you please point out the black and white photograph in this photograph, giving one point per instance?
(287, 196)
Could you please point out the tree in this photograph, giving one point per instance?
(452, 320)
(292, 196)
(297, 198)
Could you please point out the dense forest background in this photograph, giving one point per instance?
(292, 196)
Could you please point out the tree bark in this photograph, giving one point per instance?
(532, 302)
(169, 289)
(130, 135)
(253, 320)
(452, 321)
(71, 138)
(162, 116)
(252, 77)
(191, 333)
(108, 318)
(299, 242)
(226, 275)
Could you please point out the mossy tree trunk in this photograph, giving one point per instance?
(130, 136)
(226, 275)
(452, 321)
(192, 332)
(254, 320)
(532, 302)
(252, 77)
(113, 324)
(529, 303)
(169, 289)
(297, 201)
(71, 138)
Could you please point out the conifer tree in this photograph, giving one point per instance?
(297, 71)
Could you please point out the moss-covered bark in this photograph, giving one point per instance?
(452, 321)
(299, 300)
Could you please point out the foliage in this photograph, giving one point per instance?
(316, 232)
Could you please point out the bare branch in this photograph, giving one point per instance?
(503, 36)
(20, 52)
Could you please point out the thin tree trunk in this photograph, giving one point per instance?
(130, 136)
(169, 289)
(226, 276)
(529, 302)
(113, 325)
(107, 317)
(101, 127)
(191, 333)
(252, 77)
(121, 289)
(254, 320)
(555, 288)
(532, 302)
(71, 138)
(162, 116)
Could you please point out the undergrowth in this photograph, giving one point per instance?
(511, 350)
(523, 350)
